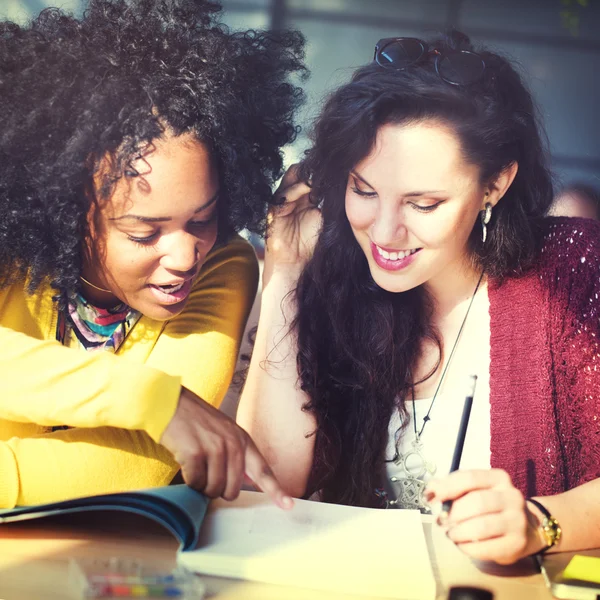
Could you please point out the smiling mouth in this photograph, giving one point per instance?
(395, 255)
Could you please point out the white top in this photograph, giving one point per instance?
(472, 357)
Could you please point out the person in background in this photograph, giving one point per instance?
(136, 141)
(419, 256)
(577, 200)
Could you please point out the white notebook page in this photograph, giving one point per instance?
(362, 551)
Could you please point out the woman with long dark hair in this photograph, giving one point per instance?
(419, 256)
(136, 141)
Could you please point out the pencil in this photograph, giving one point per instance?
(462, 432)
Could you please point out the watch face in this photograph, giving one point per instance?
(552, 531)
(549, 527)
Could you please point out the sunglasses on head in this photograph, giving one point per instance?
(457, 67)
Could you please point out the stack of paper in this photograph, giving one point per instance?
(315, 545)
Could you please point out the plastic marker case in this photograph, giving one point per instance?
(125, 578)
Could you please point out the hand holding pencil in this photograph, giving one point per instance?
(482, 512)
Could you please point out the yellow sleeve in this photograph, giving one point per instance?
(45, 383)
(198, 349)
(202, 343)
(80, 462)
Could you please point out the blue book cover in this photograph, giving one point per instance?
(178, 508)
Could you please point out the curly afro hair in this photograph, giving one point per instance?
(74, 90)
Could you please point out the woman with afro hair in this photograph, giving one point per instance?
(136, 141)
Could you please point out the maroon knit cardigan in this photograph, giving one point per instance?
(545, 364)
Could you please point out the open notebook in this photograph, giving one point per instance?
(379, 553)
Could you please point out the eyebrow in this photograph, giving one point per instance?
(409, 195)
(163, 219)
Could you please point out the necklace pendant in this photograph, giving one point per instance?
(431, 467)
(409, 494)
(416, 447)
(409, 485)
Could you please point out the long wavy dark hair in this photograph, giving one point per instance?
(357, 343)
(74, 90)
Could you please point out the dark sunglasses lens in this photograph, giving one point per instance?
(461, 68)
(400, 53)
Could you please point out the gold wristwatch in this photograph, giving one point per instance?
(549, 527)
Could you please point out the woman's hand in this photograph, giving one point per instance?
(489, 518)
(215, 453)
(293, 226)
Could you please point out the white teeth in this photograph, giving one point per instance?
(400, 254)
(171, 289)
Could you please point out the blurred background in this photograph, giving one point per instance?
(557, 43)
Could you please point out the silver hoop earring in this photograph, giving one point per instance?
(485, 215)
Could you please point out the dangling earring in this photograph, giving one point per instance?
(485, 216)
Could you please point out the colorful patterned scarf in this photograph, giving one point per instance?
(93, 328)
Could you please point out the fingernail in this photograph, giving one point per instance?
(442, 519)
(436, 509)
(287, 502)
(429, 495)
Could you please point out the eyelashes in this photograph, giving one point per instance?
(418, 207)
(425, 209)
(363, 194)
(197, 226)
(144, 240)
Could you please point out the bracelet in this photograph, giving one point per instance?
(550, 527)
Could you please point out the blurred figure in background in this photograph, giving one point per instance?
(577, 200)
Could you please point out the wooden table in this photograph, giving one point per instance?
(34, 560)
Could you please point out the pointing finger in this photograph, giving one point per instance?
(261, 474)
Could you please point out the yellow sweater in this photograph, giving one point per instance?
(117, 405)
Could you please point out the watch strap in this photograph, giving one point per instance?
(550, 527)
